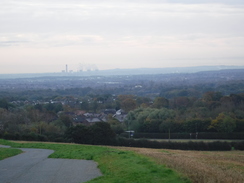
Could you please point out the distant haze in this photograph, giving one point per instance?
(44, 36)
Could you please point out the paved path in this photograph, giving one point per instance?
(33, 166)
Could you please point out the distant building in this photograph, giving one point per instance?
(120, 115)
(109, 111)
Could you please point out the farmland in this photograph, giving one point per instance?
(199, 166)
(115, 165)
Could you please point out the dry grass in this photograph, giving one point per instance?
(200, 166)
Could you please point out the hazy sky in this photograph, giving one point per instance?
(44, 36)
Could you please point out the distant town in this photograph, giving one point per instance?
(195, 103)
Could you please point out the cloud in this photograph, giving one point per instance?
(207, 1)
(49, 40)
(141, 32)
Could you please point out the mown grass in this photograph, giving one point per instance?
(117, 166)
(8, 152)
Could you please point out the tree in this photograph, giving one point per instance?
(115, 125)
(181, 102)
(94, 105)
(99, 133)
(236, 99)
(212, 96)
(166, 126)
(239, 125)
(102, 133)
(160, 102)
(84, 105)
(78, 134)
(223, 123)
(143, 101)
(35, 115)
(38, 107)
(136, 118)
(65, 120)
(4, 104)
(196, 125)
(148, 119)
(128, 104)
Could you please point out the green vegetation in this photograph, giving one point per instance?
(116, 165)
(200, 166)
(97, 134)
(46, 120)
(8, 152)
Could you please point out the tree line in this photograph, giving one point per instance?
(212, 112)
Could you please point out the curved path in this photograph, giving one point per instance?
(33, 166)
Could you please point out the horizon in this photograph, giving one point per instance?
(74, 68)
(123, 71)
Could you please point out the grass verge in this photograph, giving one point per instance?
(8, 152)
(117, 166)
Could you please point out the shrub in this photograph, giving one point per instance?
(199, 146)
(202, 135)
(238, 145)
(11, 136)
(97, 134)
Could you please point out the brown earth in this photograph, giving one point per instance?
(199, 166)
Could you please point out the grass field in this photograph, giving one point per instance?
(117, 166)
(8, 152)
(120, 164)
(200, 166)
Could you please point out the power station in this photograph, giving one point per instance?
(81, 68)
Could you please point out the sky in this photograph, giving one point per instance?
(43, 36)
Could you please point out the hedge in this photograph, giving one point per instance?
(190, 145)
(202, 135)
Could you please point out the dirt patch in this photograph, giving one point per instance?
(200, 166)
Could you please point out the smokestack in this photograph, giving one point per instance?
(66, 68)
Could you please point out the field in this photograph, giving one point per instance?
(127, 164)
(200, 166)
(117, 166)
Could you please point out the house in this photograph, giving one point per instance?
(109, 111)
(80, 112)
(78, 119)
(120, 115)
(87, 118)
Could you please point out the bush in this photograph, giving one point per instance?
(199, 146)
(97, 134)
(202, 135)
(34, 137)
(78, 134)
(238, 145)
(102, 134)
(11, 136)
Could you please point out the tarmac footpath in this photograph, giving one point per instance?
(33, 166)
